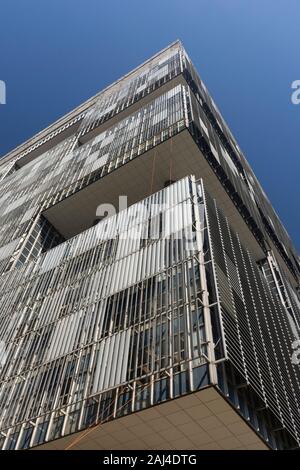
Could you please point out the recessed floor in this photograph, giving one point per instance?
(142, 176)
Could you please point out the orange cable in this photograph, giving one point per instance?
(95, 425)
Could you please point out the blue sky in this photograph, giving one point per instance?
(58, 53)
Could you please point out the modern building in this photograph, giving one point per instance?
(148, 292)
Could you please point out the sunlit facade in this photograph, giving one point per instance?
(172, 321)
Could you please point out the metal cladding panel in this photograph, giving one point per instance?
(104, 302)
(121, 96)
(258, 333)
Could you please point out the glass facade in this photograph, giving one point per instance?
(195, 284)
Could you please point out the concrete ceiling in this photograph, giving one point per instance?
(201, 420)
